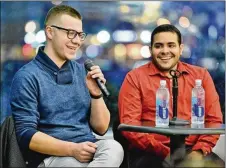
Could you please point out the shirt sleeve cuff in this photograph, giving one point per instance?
(26, 138)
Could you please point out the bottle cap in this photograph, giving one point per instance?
(162, 82)
(198, 82)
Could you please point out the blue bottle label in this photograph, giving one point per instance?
(197, 107)
(163, 111)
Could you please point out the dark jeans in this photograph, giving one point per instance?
(140, 159)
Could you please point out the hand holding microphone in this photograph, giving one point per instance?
(96, 73)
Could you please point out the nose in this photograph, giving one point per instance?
(165, 50)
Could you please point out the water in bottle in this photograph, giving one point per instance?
(198, 103)
(162, 105)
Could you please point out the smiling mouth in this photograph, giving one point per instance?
(165, 58)
(72, 48)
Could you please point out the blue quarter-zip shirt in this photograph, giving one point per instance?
(53, 100)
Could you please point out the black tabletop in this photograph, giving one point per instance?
(149, 127)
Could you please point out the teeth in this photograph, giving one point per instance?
(165, 58)
(72, 48)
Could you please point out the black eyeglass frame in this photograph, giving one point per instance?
(82, 35)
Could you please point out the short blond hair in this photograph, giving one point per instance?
(60, 10)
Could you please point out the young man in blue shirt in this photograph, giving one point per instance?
(56, 105)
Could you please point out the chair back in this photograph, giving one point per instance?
(11, 155)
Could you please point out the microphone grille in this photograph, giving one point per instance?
(88, 64)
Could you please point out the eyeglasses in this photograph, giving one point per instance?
(71, 34)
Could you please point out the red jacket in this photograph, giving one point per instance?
(137, 103)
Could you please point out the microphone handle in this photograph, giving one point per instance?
(102, 87)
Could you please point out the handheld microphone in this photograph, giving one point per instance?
(88, 64)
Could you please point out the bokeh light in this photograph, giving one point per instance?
(145, 36)
(92, 51)
(103, 36)
(184, 22)
(162, 21)
(124, 9)
(124, 36)
(29, 38)
(145, 52)
(30, 27)
(40, 36)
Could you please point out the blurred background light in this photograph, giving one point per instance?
(40, 36)
(29, 38)
(173, 16)
(145, 36)
(103, 36)
(124, 36)
(124, 9)
(200, 19)
(27, 51)
(120, 52)
(162, 21)
(56, 2)
(222, 66)
(30, 27)
(35, 44)
(184, 22)
(212, 32)
(94, 40)
(133, 51)
(145, 52)
(187, 11)
(92, 51)
(186, 52)
(144, 20)
(193, 29)
(152, 4)
(220, 19)
(209, 63)
(223, 48)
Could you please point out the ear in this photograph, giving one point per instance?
(181, 48)
(49, 32)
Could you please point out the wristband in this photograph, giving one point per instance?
(96, 97)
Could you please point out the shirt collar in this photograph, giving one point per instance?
(45, 60)
(153, 70)
(62, 75)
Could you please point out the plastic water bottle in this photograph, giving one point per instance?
(198, 103)
(162, 105)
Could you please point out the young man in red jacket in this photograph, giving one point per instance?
(137, 102)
